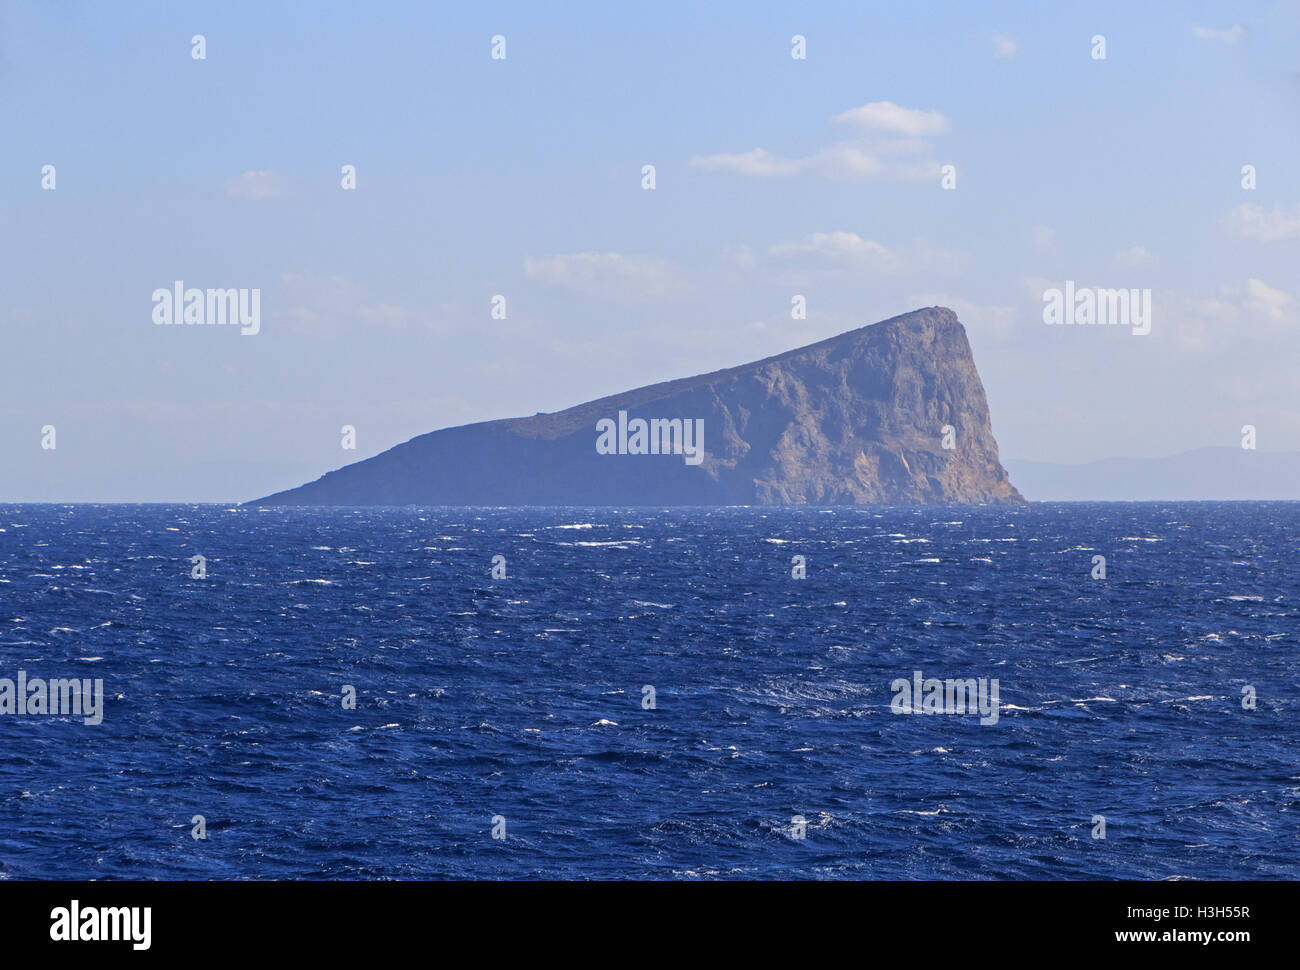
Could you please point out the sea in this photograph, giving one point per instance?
(652, 693)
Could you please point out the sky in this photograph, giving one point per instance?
(522, 177)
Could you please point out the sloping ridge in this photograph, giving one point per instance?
(854, 419)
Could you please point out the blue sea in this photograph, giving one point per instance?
(518, 707)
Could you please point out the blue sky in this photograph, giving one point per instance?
(522, 177)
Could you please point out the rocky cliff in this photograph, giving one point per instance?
(856, 419)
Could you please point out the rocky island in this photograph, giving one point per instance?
(893, 413)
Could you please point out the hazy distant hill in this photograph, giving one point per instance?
(1206, 474)
(854, 419)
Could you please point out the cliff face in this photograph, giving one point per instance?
(855, 419)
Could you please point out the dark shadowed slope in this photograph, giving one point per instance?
(854, 419)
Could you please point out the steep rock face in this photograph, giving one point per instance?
(856, 419)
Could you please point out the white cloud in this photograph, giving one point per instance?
(1250, 221)
(334, 305)
(887, 116)
(846, 254)
(611, 276)
(870, 162)
(1004, 47)
(257, 185)
(1033, 288)
(844, 160)
(901, 153)
(1134, 256)
(1042, 239)
(386, 315)
(1236, 312)
(1233, 35)
(838, 247)
(755, 162)
(740, 257)
(1265, 302)
(841, 160)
